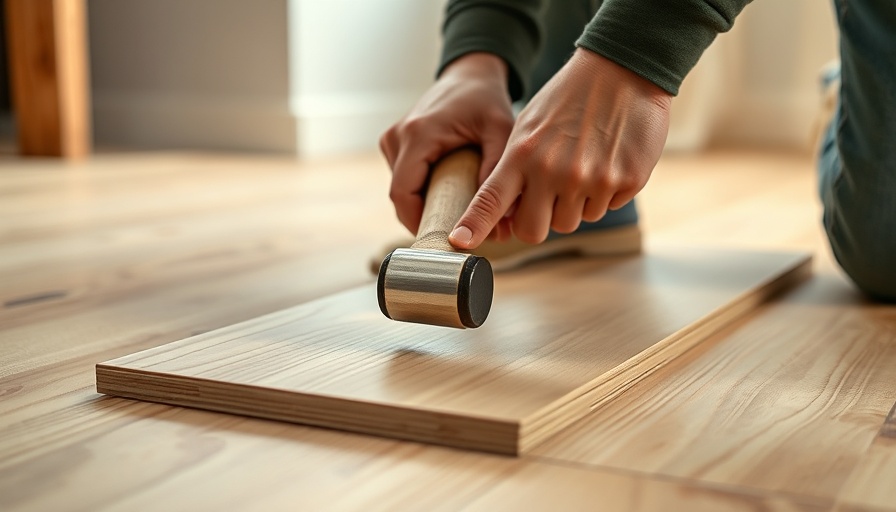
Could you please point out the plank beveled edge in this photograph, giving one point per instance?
(554, 418)
(422, 425)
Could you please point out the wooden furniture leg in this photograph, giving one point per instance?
(49, 76)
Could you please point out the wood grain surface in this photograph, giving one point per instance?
(561, 339)
(130, 251)
(577, 489)
(814, 370)
(452, 185)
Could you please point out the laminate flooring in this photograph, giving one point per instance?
(563, 336)
(784, 409)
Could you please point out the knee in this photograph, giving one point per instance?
(871, 264)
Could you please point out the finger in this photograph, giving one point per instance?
(494, 197)
(389, 146)
(620, 200)
(595, 208)
(512, 210)
(495, 233)
(567, 213)
(501, 231)
(493, 143)
(409, 176)
(532, 219)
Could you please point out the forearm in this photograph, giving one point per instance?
(660, 40)
(509, 29)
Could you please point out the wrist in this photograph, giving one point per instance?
(481, 65)
(605, 70)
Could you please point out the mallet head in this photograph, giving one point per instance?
(435, 287)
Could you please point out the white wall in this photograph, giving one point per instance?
(356, 67)
(318, 77)
(312, 77)
(758, 84)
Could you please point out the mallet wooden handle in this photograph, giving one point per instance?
(452, 185)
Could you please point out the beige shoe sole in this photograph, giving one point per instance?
(513, 254)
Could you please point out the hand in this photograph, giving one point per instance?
(587, 142)
(468, 104)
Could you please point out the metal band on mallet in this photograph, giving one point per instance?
(431, 283)
(436, 287)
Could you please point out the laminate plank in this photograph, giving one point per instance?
(871, 483)
(150, 313)
(150, 456)
(111, 192)
(180, 459)
(554, 346)
(549, 487)
(49, 72)
(118, 263)
(787, 404)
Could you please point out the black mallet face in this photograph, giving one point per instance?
(435, 287)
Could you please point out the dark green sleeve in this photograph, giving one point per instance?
(509, 29)
(661, 40)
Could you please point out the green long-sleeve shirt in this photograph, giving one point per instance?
(660, 40)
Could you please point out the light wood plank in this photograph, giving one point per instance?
(49, 72)
(787, 404)
(872, 482)
(167, 456)
(559, 340)
(549, 487)
(173, 458)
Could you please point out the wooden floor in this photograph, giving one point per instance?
(552, 349)
(784, 410)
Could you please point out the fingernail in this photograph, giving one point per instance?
(462, 234)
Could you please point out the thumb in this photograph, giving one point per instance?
(488, 206)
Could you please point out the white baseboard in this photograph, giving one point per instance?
(347, 123)
(153, 121)
(312, 127)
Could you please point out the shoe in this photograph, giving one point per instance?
(616, 234)
(829, 86)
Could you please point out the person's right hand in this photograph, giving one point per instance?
(468, 104)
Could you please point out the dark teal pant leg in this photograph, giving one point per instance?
(858, 159)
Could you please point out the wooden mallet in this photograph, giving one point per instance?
(432, 283)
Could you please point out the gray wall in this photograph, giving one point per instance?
(309, 77)
(191, 73)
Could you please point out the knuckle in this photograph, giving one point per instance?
(576, 179)
(396, 196)
(487, 204)
(527, 147)
(384, 143)
(388, 134)
(408, 128)
(413, 127)
(607, 181)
